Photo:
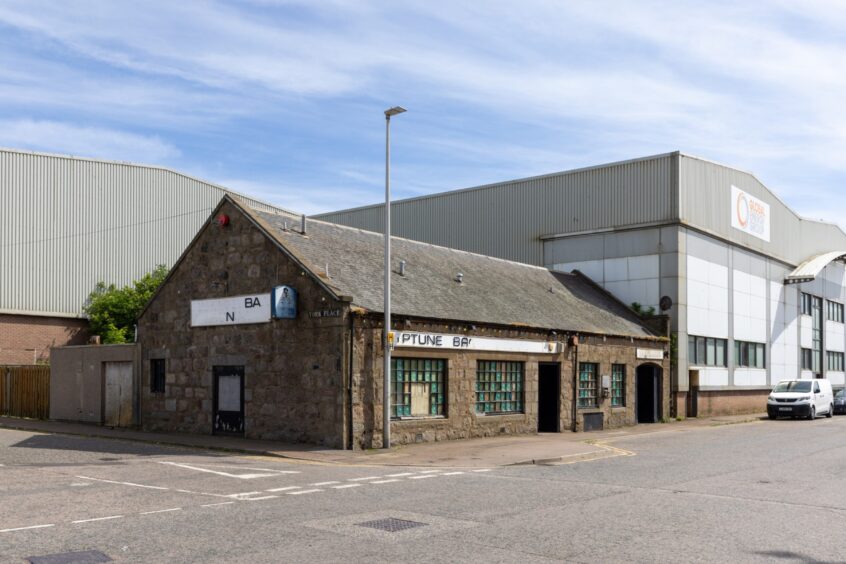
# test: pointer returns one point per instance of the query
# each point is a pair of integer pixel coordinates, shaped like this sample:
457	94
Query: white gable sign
749	214
236	310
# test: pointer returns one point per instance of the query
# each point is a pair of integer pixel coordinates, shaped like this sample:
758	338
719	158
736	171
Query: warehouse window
499	387
157	375
587	384
807	359
750	355
706	351
618	385
835	361
418	387
835	312
807	303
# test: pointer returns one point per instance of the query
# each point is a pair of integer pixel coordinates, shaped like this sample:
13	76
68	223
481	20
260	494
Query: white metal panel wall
67	223
506	220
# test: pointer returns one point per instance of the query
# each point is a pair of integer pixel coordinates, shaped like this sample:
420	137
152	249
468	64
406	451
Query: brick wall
26	339
734	402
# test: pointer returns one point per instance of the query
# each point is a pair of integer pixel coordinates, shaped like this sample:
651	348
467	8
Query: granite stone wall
294	368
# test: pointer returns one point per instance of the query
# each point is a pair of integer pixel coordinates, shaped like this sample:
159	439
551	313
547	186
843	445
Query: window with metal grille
418	387
835	312
706	351
835	361
618	385
750	355
157	375
587	384
499	387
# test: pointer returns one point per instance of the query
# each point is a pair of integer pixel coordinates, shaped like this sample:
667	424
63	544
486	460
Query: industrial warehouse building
269	328
69	223
755	292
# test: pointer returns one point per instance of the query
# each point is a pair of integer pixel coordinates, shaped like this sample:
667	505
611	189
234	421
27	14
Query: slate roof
493	290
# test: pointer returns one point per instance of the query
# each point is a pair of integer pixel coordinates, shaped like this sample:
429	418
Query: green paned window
618	385
418	387
499	387
588	385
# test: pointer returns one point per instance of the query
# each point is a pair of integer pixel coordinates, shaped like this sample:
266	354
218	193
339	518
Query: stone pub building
271	329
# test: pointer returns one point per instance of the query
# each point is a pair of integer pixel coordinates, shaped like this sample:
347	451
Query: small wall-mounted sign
325	313
284	302
650	354
444	341
231	311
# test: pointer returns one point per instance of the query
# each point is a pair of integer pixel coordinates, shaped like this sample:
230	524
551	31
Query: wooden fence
25	391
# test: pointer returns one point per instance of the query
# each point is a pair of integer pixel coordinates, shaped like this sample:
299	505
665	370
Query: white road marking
345	486
122	483
400	475
274	471
98	519
482	470
285	489
324	483
423	477
161	511
27	528
217	504
264	474
384	481
261	498
242	495
429	471
80	484
365	478
303	492
452	473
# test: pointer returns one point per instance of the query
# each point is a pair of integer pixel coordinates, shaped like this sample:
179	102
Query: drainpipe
575	340
349	390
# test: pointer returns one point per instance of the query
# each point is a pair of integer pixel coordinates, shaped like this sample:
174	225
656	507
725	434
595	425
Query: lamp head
394	111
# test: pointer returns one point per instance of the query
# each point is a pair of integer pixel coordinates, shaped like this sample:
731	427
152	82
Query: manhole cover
391	524
85	557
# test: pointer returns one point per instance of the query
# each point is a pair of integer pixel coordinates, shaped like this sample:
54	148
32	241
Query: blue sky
283	100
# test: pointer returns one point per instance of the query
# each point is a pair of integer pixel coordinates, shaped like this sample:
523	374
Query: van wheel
830	410
813	413
771	415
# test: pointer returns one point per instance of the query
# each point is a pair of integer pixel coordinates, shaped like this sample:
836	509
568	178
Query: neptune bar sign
749	214
412	339
237	310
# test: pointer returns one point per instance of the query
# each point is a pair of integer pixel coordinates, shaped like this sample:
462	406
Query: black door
228	400
549	391
648	393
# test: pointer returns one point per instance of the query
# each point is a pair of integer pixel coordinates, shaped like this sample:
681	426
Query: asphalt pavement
758	492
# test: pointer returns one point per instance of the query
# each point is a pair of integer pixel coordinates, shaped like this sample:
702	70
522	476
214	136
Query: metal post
386	345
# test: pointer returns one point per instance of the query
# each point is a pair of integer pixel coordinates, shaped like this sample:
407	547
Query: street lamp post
386	345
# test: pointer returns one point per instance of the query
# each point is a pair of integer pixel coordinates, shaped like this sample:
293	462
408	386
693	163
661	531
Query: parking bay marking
110	517
258	472
27	528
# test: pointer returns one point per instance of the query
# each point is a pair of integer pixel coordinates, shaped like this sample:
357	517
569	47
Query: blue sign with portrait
284	302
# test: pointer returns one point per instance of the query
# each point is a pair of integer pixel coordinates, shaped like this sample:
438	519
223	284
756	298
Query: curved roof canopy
808	270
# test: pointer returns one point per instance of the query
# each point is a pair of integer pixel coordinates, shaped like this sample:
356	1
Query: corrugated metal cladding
705	202
68	223
506	220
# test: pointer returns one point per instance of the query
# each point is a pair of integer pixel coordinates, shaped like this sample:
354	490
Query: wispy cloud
84	141
287	95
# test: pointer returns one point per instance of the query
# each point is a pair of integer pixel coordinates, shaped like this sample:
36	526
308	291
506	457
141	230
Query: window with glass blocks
418	387
499	387
588	385
618	385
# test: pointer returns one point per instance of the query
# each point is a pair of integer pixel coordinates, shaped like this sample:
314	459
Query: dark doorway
549	397
648	393
693	394
228	400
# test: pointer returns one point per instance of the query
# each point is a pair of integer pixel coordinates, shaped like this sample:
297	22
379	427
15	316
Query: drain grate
85	557
392	524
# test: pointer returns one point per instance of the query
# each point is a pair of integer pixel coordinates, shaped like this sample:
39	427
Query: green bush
112	311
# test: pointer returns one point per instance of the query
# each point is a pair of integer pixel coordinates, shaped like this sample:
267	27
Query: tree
112	311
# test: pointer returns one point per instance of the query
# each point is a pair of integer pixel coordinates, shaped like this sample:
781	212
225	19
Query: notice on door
229	393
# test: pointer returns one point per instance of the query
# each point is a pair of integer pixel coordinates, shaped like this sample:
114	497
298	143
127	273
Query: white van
801	398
